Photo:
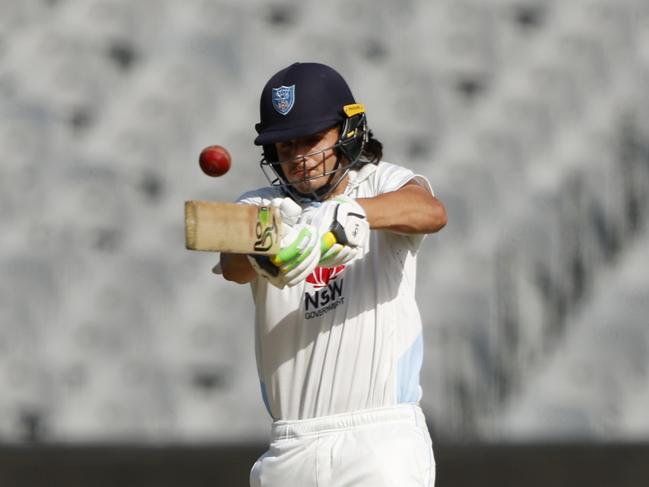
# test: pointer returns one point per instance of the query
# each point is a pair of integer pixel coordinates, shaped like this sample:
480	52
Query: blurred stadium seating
528	116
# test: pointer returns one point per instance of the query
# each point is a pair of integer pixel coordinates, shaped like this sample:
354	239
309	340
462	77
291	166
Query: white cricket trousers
385	447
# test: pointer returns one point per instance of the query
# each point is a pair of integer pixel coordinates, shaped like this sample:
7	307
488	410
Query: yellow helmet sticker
354	109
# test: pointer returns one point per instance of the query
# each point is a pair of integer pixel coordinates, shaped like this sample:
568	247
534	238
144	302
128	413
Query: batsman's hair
372	150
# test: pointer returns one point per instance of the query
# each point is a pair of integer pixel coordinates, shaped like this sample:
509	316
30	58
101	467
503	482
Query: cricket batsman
338	333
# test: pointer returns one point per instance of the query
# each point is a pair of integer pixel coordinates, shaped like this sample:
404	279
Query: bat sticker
265	229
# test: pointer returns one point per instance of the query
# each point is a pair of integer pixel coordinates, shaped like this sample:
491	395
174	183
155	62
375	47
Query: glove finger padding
338	255
300	253
298	257
289	212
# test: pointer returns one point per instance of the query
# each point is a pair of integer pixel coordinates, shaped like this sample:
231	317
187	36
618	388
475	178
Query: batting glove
299	249
289	212
347	222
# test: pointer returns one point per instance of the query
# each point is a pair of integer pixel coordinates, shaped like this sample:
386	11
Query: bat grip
327	241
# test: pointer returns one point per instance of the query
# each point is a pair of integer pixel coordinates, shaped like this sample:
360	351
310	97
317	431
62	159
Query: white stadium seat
529	117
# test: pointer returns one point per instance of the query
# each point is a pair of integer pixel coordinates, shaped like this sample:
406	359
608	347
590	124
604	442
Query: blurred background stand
123	359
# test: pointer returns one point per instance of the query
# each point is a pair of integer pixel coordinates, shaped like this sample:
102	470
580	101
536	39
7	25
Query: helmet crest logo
283	99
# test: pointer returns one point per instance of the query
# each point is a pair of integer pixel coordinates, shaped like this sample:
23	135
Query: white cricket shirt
350	337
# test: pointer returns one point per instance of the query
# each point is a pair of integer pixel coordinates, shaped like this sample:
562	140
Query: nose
301	157
299	150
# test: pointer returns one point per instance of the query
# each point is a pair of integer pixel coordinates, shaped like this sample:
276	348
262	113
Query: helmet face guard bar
350	144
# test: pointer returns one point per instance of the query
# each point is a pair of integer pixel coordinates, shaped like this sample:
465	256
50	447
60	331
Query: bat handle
326	242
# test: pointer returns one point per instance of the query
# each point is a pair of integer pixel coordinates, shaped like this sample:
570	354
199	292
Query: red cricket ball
215	160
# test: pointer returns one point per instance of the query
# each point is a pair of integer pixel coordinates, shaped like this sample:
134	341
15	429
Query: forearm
411	210
236	268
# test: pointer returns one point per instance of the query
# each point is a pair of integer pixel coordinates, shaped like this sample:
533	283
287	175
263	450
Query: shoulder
384	177
387	169
394	177
259	196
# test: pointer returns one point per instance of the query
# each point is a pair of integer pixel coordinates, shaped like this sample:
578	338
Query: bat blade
214	226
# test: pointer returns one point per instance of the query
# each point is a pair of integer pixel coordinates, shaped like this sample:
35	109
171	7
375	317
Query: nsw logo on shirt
327	292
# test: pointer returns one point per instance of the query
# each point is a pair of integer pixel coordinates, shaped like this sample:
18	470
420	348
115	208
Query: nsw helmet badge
283	99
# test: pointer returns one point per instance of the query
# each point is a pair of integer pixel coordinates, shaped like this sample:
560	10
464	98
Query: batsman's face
309	163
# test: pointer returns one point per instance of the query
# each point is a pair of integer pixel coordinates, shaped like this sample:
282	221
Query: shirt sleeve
390	177
261	196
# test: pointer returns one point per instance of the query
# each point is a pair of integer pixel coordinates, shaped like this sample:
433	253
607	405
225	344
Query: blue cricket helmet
302	99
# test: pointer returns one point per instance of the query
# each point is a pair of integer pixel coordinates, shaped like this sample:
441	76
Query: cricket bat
234	228
214	226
